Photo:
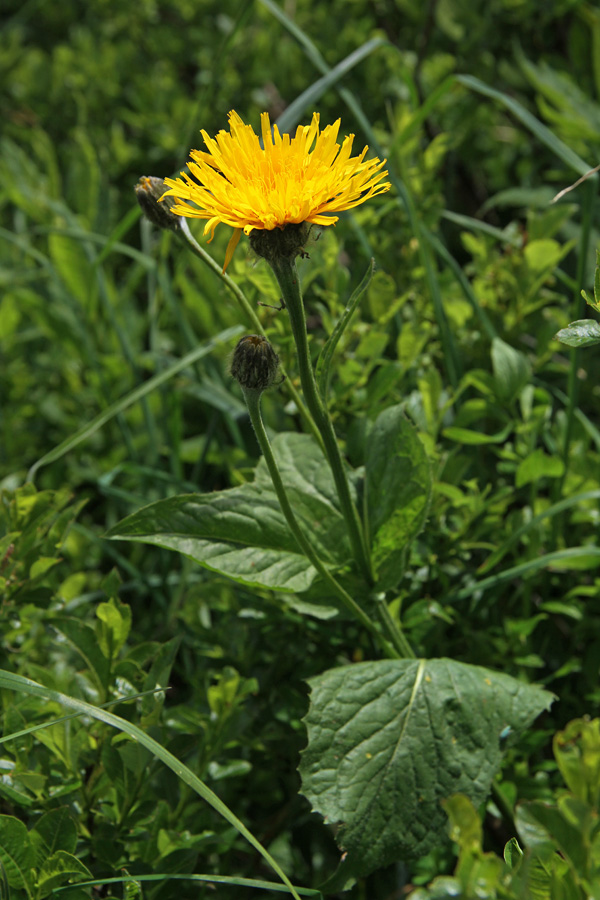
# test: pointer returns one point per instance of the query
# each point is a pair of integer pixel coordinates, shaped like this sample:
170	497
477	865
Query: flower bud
148	191
254	364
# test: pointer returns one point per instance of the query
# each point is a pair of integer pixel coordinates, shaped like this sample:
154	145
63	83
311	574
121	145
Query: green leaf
595	303
559	560
511	370
109	412
537	128
242	532
538	465
577	752
158	677
59	868
398	490
310	97
389	740
513	854
475	438
56	830
234	880
465	824
84	641
582	333
544	830
115	624
42	565
14	682
16	853
72	264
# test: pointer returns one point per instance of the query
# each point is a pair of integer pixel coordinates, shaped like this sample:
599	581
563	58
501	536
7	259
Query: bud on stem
254	364
148	191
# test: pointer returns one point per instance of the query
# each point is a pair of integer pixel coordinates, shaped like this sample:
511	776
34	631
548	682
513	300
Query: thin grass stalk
587	215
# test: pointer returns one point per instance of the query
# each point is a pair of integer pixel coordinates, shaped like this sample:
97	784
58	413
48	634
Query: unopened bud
148	191
254	364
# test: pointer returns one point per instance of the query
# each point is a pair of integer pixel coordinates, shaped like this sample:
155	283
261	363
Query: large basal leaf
242	532
388	740
398	488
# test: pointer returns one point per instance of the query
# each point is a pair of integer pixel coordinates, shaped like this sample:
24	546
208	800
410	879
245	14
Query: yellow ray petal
307	177
233	242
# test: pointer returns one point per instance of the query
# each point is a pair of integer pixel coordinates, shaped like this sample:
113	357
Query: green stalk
587	214
393	629
252	398
287	277
190	242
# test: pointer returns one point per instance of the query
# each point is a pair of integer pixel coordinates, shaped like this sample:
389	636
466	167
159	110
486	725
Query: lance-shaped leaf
388	740
242	532
398	488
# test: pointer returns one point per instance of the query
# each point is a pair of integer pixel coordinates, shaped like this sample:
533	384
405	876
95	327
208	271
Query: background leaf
511	370
16	853
398	489
56	830
582	333
59	868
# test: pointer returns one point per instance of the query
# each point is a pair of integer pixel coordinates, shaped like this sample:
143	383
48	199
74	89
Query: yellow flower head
306	178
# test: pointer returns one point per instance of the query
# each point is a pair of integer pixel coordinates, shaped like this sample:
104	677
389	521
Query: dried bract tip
148	191
254	364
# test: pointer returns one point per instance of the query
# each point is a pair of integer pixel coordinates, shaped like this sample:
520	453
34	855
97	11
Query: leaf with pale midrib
389	740
242	532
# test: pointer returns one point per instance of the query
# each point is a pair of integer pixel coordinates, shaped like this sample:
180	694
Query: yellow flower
306	178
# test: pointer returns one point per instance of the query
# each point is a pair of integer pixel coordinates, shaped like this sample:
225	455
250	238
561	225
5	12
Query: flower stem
252	398
192	244
287	278
393	629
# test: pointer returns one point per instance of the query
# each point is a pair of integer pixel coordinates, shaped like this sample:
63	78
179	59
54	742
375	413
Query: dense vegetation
484	111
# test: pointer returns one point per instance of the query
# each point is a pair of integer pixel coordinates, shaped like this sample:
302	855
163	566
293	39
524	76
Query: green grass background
484	112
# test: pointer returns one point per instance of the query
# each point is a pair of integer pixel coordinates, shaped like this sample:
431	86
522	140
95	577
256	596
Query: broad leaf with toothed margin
388	740
242	532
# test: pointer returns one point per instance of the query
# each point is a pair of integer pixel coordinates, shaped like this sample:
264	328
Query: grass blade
40	725
13	682
451	356
129	399
477	225
553	510
326	355
526	568
445	255
541	132
211	879
293	113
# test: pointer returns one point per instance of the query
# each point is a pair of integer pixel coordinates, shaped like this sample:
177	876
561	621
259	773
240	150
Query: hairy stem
192	244
287	277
